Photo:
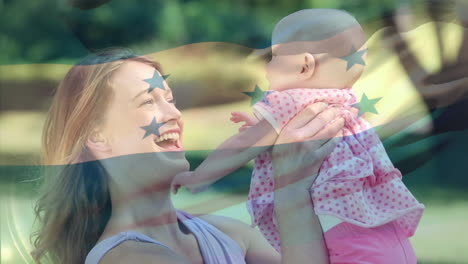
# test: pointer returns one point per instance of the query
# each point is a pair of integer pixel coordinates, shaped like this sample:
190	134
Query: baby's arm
229	156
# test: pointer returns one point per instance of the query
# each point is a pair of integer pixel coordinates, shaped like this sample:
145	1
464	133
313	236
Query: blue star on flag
354	58
367	105
157	81
257	95
153	128
264	98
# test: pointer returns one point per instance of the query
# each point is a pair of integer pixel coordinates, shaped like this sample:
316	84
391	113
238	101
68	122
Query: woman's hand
304	143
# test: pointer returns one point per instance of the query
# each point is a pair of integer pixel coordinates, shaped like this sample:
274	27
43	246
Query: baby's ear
308	66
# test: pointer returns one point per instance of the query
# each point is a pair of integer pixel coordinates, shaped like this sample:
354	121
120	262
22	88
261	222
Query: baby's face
282	70
293	66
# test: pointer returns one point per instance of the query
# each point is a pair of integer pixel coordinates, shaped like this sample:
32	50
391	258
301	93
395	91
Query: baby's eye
172	101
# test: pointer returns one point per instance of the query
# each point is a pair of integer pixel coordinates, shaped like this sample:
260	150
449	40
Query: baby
366	212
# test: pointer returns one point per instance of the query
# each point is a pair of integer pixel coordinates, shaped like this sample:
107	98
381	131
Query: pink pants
348	243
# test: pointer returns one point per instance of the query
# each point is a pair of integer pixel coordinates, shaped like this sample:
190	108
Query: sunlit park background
214	51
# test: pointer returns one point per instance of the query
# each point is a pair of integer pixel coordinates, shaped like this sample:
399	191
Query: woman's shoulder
235	229
256	247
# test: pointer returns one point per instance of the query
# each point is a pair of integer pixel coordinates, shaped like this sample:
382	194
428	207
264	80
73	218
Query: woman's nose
168	111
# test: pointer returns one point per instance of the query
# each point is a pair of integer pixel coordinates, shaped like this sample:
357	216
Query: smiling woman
93	116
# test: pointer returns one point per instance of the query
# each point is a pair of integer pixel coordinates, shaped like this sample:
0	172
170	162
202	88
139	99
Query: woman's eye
149	101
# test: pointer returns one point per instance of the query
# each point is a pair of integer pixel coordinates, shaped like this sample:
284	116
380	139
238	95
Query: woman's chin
176	160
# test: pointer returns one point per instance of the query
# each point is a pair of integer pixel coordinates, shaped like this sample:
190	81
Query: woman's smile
169	140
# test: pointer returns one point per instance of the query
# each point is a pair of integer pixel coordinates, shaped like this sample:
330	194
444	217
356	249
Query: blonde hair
75	206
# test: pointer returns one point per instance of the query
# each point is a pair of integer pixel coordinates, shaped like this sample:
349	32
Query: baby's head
316	48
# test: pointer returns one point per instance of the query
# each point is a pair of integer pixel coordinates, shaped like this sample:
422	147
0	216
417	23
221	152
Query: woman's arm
229	156
297	156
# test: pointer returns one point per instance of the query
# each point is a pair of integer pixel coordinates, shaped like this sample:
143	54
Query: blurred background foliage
66	30
209	48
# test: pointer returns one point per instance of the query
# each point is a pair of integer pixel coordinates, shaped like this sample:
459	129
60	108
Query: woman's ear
308	66
97	142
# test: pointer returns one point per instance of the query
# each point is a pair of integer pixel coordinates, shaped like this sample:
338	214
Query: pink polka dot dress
357	182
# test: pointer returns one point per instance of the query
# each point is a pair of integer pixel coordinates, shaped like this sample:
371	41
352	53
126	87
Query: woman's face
139	120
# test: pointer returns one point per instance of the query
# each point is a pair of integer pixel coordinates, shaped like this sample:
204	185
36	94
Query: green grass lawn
442	234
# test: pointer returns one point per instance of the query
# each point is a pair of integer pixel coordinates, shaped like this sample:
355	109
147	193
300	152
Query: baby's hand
187	179
237	117
249	121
